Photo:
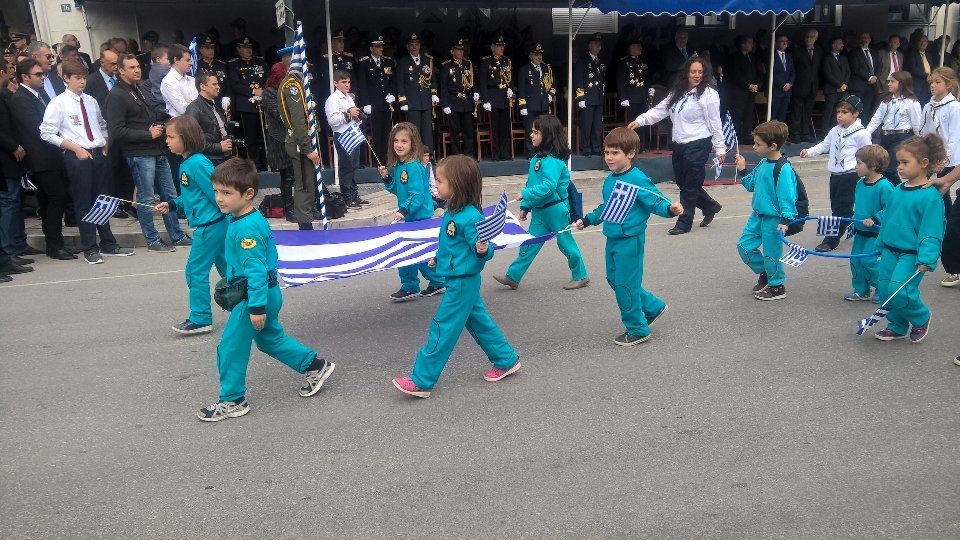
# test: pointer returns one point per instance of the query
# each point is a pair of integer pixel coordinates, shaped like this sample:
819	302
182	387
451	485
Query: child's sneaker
888	335
222	410
771	292
917	333
497	374
854	296
653	319
187	328
956	361
629	340
952	280
761	283
431	291
506	280
315	379
407	386
403	296
574	284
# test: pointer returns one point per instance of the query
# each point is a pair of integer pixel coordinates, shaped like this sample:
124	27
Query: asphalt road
739	418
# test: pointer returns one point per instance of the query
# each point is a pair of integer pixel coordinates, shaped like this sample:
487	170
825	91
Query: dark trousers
348	165
741	109
801	118
890	143
947	203
175	160
424	122
591	130
88	179
688	168
380	125
633	111
829	118
252	137
869	99
781	103
461	124
842	187
950	254
528	127
53	187
120	180
500	133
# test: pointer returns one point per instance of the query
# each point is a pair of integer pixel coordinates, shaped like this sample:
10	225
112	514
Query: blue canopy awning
690	7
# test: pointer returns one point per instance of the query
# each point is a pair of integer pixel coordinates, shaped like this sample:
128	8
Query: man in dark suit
891	61
70	39
674	55
13	238
43	160
834	76
102	80
417	89
864	67
743	83
806	62
784	77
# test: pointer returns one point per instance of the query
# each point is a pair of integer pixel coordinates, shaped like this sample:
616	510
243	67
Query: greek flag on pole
730	140
193	55
102	210
863	324
795	256
828	226
351	138
492	226
622	199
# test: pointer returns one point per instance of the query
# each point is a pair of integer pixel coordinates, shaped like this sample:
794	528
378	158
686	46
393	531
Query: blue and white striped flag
622	199
863	324
492	226
102	210
26	184
828	226
351	138
193	55
730	140
795	256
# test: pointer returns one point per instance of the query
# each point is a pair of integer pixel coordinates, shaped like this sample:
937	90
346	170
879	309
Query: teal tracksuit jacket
410	182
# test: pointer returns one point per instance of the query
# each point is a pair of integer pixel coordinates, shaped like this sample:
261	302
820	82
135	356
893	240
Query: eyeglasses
38	74
51	56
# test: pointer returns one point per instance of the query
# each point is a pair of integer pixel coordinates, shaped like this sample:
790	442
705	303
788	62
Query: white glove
404	107
225	103
446	110
625	103
651	92
487	107
549	98
582	104
368	109
435	99
476	96
509	93
523	112
390	98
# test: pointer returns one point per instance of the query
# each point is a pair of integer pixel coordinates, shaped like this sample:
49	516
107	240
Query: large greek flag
492	226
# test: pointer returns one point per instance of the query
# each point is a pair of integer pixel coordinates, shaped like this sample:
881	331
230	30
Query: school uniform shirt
693	118
178	91
251	253
842	144
547	182
411	184
64	119
635	222
457	251
773	197
197	199
943	118
335	109
895	115
869	200
913	221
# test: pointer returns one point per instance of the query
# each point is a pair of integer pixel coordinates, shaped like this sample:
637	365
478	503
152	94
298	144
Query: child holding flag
629	197
774	206
410	182
460	258
873	191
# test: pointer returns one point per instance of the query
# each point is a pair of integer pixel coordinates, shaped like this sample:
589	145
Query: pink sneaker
497	374
888	335
407	386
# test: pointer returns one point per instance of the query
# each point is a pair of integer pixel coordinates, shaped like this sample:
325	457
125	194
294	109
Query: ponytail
929	146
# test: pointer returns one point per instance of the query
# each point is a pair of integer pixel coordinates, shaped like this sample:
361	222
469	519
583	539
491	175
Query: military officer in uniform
293	111
496	94
417	89
535	91
246	75
208	62
589	80
459	98
632	87
376	94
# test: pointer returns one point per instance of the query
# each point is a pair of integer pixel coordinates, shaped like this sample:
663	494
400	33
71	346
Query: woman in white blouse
897	117
693	106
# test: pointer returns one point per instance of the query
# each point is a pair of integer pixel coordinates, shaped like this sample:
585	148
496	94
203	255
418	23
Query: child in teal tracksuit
198	204
774	207
869	199
625	241
410	182
251	257
460	259
545	195
911	235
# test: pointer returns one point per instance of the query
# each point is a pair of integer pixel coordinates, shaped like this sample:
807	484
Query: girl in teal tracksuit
869	199
460	259
198	204
545	195
410	182
911	235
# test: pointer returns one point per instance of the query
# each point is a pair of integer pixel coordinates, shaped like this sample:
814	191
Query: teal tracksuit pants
461	307
761	232
624	257
206	251
545	221
410	277
863	270
906	308
233	352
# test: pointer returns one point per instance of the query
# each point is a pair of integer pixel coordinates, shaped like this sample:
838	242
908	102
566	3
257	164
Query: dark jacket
783	74
27	111
672	60
58	85
97	88
203	110
589	80
533	89
129	119
834	73
416	84
9	141
860	71
151	90
808	71
742	73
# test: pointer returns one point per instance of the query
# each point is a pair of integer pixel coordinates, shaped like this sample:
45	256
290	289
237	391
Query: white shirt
693	118
63	119
32	91
896	114
178	91
842	144
335	109
943	118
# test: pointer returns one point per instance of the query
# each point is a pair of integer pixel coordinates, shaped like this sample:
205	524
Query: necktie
869	56
783	60
894	62
684	53
926	63
43	98
810	53
86	120
112	81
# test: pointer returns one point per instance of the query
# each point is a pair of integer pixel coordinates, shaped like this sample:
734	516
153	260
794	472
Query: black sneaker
92	256
117	252
184	241
403	296
629	340
161	247
431	290
653	319
771	292
22	261
761	283
222	410
5	278
826	246
187	328
364	202
316	378
677	230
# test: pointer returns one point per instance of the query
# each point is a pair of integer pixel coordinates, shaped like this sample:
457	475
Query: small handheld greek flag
795	257
492	226
828	226
621	200
730	134
102	210
26	184
863	324
193	56
351	138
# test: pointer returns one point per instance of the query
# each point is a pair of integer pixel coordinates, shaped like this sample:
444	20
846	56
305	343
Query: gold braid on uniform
290	82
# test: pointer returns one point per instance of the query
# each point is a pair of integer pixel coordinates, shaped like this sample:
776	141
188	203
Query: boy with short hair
774	207
251	257
341	110
625	240
870	197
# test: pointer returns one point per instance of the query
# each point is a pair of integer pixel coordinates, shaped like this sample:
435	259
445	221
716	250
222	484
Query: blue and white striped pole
299	62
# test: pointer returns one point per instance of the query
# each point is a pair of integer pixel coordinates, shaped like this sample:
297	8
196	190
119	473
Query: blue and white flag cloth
622	199
492	226
828	226
730	140
863	324
193	56
795	256
102	210
351	138
26	184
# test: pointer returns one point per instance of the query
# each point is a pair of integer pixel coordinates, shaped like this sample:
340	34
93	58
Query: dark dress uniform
217	67
632	87
417	91
496	77
589	80
457	94
342	61
376	81
245	76
535	91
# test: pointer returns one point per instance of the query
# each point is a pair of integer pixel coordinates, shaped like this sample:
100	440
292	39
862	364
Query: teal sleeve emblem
451	229
184	180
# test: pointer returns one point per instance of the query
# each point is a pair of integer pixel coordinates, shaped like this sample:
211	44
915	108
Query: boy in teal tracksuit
774	207
625	241
410	182
869	199
251	255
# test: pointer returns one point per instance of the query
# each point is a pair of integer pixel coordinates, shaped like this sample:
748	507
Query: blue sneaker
854	296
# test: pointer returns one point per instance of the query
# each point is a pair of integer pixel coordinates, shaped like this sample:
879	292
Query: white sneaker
222	410
952	280
316	378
